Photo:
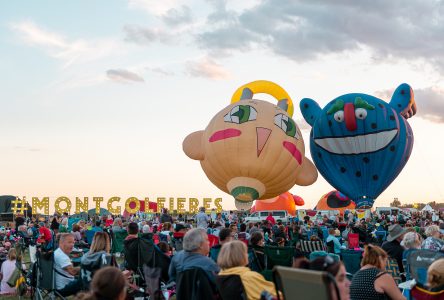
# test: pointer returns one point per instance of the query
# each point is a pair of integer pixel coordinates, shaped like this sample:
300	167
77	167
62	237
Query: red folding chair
353	240
214	240
156	239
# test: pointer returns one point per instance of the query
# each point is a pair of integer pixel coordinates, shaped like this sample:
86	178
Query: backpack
88	268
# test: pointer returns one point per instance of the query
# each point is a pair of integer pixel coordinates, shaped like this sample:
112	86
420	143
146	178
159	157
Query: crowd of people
220	245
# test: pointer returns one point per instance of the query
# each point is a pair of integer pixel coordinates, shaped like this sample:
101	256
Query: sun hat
395	231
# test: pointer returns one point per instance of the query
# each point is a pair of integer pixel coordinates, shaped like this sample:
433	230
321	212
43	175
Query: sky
97	96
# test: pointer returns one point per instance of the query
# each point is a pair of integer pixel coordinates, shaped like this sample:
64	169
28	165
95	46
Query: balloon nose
349	116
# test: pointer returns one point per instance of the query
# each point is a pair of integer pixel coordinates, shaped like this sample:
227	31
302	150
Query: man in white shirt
65	281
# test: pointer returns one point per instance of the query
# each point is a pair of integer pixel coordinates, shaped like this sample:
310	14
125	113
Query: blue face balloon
360	143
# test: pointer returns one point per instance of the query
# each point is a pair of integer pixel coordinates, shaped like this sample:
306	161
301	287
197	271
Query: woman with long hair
97	257
371	281
6	271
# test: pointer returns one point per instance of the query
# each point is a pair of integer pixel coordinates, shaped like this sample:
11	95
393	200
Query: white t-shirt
61	260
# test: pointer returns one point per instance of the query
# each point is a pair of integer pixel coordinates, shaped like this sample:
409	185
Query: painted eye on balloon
361	113
339	116
241	114
287	125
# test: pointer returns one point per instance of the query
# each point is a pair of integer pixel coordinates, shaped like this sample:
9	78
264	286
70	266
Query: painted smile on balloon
366	143
293	150
224	134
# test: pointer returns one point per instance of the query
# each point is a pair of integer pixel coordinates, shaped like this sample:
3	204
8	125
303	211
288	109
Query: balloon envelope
360	143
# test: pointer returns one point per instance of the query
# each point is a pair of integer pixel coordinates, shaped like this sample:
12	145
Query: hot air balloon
253	149
285	201
360	143
335	200
240	205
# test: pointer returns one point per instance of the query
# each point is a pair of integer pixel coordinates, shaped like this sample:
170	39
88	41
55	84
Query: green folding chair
292	283
117	242
278	256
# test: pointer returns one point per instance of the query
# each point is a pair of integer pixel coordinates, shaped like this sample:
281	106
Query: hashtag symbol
15	206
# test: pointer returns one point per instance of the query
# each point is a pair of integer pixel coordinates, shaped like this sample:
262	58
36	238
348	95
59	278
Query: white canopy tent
427	208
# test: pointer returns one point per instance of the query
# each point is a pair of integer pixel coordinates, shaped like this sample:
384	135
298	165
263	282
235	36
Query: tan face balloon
252	149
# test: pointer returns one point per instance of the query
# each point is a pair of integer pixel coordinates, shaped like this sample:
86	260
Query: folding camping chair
351	260
45	287
306	284
419	261
139	252
353	240
276	256
117	241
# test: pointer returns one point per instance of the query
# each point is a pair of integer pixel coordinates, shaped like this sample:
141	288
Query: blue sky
97	96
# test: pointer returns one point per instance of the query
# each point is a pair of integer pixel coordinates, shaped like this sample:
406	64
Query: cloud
123	76
153	7
62	48
206	68
304	30
146	36
174	17
429	101
161	71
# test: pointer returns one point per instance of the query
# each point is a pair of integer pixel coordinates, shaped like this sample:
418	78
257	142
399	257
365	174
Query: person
194	255
256	255
332	238
233	258
6	271
55	224
435	283
117	225
109	283
45	236
299	259
433	241
133	231
371	281
202	219
76	232
109	221
411	240
225	236
270	219
392	246
336	269
179	232
165	217
63	225
97	256
64	270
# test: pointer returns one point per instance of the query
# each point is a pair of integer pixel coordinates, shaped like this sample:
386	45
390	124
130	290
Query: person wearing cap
202	219
393	244
179	233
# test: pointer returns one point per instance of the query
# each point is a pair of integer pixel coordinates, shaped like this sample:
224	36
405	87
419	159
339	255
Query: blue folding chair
419	261
351	260
89	235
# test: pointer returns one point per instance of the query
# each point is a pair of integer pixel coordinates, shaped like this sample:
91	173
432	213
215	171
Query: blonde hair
100	242
12	254
371	256
435	273
431	230
233	254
